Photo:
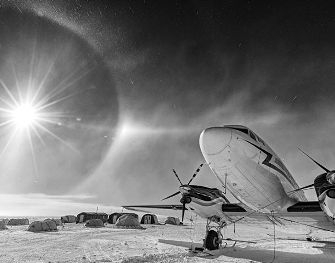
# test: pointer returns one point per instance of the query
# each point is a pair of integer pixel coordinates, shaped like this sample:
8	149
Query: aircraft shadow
326	252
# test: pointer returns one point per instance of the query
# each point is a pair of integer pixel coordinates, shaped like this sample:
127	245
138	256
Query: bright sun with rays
27	112
24	115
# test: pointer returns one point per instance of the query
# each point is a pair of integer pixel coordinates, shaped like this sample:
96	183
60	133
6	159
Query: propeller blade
302	188
195	174
177	176
171	195
183	212
320	165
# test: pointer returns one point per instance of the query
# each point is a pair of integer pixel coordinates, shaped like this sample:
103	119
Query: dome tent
115	216
18	222
4	220
68	219
128	221
3	225
42	226
56	220
172	221
94	223
84	216
149	219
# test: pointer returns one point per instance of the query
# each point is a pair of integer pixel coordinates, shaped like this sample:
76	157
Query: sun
24	115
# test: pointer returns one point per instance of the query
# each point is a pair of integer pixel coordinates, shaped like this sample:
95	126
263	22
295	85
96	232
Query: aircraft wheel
212	240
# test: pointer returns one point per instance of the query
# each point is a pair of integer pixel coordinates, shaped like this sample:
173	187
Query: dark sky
165	70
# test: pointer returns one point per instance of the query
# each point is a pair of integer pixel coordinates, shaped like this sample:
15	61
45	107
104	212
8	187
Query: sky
126	87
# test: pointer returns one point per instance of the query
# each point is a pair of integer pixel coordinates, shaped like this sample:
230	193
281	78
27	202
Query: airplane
253	173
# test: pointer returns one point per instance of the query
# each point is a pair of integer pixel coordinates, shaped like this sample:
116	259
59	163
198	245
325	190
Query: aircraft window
241	130
261	141
252	135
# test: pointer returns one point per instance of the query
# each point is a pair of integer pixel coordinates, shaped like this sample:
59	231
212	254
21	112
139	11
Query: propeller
195	173
320	165
330	174
184	200
302	188
177	176
171	195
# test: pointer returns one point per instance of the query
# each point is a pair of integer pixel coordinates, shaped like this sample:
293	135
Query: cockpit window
241	130
252	135
260	140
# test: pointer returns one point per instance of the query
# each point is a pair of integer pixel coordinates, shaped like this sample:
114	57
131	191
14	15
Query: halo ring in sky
58	105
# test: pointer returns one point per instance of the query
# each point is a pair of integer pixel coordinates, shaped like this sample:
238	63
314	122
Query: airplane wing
307	213
147	208
225	207
159	210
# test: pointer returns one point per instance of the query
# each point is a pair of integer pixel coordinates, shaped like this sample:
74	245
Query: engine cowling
325	191
327	203
185	198
331	177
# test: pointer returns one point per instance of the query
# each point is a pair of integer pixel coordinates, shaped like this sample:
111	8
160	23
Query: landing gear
214	236
212	240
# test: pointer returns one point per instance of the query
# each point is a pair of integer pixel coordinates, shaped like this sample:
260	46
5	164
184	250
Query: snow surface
75	243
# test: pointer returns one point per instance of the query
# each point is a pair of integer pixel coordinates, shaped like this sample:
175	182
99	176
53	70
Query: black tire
212	240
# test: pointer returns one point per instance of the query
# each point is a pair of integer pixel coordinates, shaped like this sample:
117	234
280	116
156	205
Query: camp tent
84	216
115	216
69	219
42	226
56	220
172	221
18	222
128	221
3	225
94	223
5	220
149	219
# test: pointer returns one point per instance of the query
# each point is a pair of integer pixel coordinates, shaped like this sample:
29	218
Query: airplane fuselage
249	168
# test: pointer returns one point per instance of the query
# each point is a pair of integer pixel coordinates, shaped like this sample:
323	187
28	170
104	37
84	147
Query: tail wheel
212	240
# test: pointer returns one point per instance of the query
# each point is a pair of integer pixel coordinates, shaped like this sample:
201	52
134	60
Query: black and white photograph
167	131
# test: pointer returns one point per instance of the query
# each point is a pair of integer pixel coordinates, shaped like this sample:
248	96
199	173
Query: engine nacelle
187	199
325	191
331	177
327	202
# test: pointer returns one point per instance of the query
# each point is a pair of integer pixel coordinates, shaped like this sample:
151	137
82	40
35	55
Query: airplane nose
214	140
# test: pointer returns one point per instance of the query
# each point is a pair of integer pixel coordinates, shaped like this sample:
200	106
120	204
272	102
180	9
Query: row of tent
130	220
112	218
15	221
86	216
25	221
36	226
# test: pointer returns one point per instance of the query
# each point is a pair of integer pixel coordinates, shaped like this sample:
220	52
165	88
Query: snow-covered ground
75	243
